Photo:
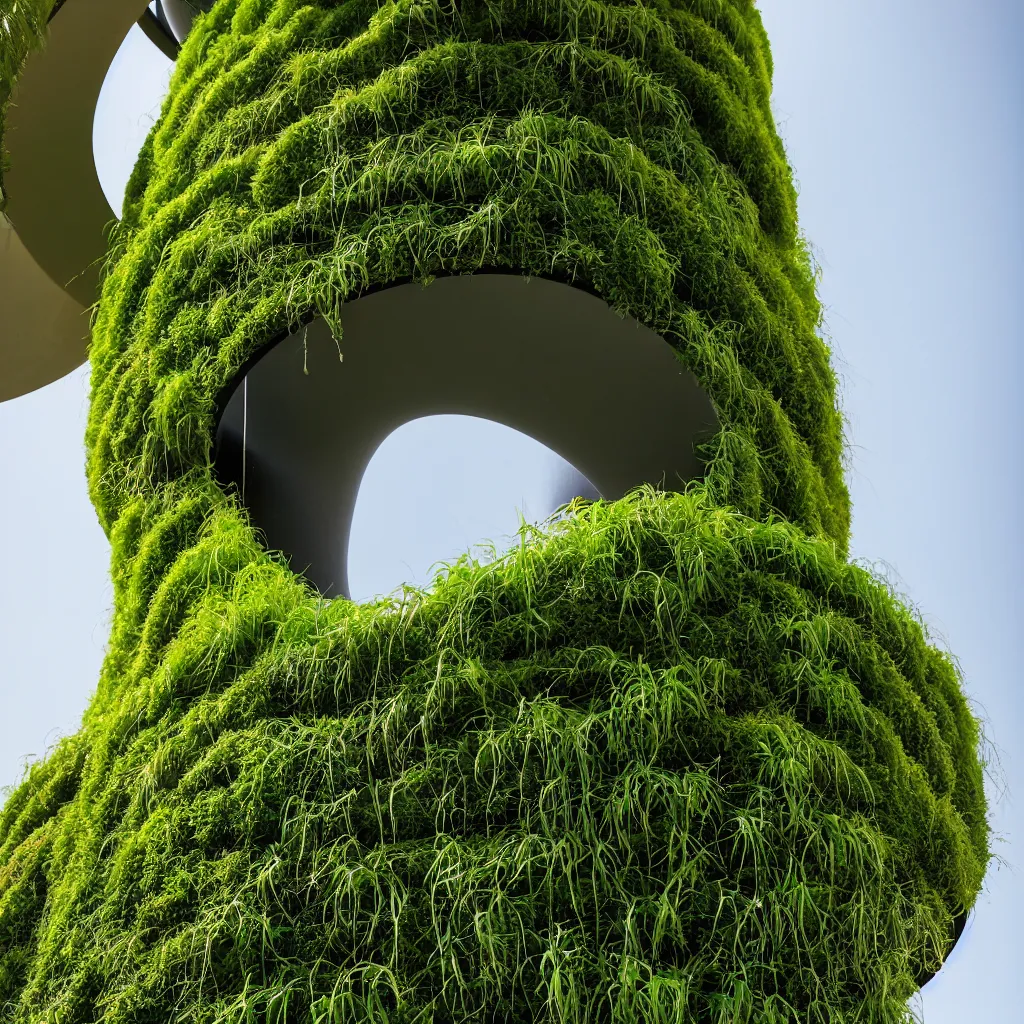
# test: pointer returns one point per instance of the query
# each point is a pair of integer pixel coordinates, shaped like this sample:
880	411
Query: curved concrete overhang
52	240
179	15
551	360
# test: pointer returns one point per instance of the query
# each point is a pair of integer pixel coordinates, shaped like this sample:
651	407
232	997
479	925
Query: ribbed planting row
670	761
660	764
312	151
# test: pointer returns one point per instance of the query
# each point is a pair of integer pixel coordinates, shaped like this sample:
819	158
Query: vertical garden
671	759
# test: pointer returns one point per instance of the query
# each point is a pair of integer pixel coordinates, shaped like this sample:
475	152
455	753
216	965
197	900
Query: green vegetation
670	760
659	763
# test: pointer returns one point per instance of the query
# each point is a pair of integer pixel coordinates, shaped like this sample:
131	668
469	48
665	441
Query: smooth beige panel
43	331
50	273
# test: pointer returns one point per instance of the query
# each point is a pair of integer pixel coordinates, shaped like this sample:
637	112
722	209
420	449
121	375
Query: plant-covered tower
672	759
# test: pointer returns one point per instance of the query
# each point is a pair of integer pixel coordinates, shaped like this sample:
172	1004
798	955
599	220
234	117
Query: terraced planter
672	758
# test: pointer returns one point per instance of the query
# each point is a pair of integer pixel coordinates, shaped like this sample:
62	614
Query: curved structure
178	15
56	213
672	759
559	366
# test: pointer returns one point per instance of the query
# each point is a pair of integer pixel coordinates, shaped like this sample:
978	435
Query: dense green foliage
663	763
310	151
671	759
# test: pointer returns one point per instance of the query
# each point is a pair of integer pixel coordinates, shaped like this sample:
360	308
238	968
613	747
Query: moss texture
673	759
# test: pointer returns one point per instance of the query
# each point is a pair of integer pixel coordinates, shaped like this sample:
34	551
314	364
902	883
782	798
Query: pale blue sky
902	121
129	105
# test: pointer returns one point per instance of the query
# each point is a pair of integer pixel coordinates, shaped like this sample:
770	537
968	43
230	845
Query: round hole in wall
550	360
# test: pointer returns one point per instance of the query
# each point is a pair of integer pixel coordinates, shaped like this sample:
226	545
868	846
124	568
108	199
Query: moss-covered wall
672	760
318	150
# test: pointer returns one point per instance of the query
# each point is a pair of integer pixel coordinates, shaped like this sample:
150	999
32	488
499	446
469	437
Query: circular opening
480	369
